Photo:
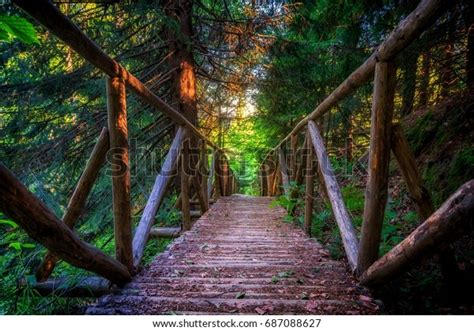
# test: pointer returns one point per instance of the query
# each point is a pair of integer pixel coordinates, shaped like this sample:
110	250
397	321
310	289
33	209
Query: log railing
363	255
57	236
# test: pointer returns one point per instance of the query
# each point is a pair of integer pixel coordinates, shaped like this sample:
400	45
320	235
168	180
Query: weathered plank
251	262
78	199
168	232
449	222
348	235
63	287
379	157
156	197
43	226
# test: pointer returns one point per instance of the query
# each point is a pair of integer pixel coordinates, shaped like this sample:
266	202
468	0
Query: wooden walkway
240	257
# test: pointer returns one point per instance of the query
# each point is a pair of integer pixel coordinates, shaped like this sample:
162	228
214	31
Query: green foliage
12	27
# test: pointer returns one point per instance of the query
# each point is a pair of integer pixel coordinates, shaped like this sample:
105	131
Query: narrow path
240	257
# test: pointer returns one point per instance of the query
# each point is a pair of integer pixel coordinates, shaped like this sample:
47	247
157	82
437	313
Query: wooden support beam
379	157
168	232
453	219
199	193
411	175
93	287
420	195
348	235
43	226
309	188
301	165
78	199
284	171
212	174
293	148
204	167
184	175
119	161
156	197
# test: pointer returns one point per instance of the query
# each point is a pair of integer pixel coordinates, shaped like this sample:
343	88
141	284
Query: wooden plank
293	148
184	176
78	199
348	235
284	171
309	188
156	197
63	287
379	158
47	14
19	204
119	161
407	30
164	232
449	222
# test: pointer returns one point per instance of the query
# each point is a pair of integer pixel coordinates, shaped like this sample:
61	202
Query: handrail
128	253
362	256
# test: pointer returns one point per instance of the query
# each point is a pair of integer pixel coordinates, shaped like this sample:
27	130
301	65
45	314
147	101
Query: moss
461	168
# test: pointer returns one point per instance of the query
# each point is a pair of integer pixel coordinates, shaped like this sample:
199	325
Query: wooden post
42	225
204	167
410	173
212	174
184	172
119	160
308	172
284	170
302	164
379	158
156	197
451	220
348	235
78	199
293	147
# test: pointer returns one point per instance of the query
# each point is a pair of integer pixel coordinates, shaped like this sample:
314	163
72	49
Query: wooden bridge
239	257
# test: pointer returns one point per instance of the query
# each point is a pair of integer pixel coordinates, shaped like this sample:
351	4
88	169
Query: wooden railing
18	203
384	136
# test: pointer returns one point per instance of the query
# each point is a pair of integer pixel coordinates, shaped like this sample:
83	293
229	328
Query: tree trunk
181	45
